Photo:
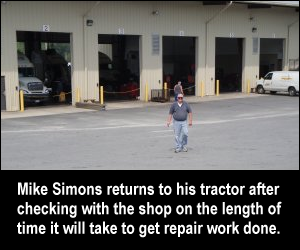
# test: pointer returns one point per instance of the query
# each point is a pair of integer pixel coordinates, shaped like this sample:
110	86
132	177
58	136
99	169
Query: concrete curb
43	111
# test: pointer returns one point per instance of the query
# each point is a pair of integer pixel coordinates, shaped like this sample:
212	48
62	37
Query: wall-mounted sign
181	33
231	34
155	44
46	28
121	31
255	44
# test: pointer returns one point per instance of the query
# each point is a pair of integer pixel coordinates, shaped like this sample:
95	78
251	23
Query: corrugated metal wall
136	18
31	16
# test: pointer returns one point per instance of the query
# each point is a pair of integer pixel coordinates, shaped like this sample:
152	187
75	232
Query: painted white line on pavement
145	125
249	118
78	129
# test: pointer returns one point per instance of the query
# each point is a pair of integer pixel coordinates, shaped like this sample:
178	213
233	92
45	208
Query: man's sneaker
177	150
184	149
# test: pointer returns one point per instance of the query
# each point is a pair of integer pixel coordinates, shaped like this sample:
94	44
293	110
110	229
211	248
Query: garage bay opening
44	67
179	63
229	64
271	55
119	66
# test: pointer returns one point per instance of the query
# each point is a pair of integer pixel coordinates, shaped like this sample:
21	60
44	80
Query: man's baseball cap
180	95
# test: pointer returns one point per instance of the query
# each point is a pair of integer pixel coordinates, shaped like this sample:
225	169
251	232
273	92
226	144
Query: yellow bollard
62	97
165	88
202	88
146	94
218	88
248	87
101	95
21	100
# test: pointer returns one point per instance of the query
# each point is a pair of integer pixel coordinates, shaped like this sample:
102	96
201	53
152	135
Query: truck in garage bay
33	88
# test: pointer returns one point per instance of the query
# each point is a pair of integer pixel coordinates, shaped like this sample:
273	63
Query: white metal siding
136	18
293	52
30	16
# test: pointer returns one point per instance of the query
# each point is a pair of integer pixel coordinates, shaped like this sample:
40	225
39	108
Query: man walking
180	111
177	90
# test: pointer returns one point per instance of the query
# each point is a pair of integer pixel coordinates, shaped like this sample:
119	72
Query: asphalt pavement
252	132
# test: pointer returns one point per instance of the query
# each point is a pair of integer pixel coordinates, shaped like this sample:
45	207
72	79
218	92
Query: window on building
61	48
21	47
294	64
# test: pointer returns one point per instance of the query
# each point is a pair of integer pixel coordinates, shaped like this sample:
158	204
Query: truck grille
35	86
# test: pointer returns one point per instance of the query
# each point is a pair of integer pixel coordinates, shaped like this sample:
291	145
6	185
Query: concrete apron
50	110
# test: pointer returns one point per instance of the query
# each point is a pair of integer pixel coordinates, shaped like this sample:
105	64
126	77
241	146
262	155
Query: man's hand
169	120
190	119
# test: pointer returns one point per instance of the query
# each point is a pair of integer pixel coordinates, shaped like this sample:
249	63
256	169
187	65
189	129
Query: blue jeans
181	133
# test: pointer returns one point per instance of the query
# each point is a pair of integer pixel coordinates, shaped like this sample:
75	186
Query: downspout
206	33
85	49
288	44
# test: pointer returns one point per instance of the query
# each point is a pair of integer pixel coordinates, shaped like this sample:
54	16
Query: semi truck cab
34	89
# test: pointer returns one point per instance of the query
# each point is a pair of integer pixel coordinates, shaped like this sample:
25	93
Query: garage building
235	42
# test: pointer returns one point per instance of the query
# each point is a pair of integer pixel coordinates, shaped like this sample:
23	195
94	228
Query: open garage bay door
179	63
44	67
119	66
271	55
229	64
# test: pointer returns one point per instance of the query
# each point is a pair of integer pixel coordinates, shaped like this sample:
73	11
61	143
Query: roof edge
275	3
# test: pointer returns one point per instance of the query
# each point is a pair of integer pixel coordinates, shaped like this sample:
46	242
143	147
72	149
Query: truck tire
260	89
292	91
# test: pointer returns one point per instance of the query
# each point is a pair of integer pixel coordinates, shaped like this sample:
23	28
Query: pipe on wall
206	33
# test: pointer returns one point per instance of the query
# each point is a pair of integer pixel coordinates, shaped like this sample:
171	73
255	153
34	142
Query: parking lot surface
244	133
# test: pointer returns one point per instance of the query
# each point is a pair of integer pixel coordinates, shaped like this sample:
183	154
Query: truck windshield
26	72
